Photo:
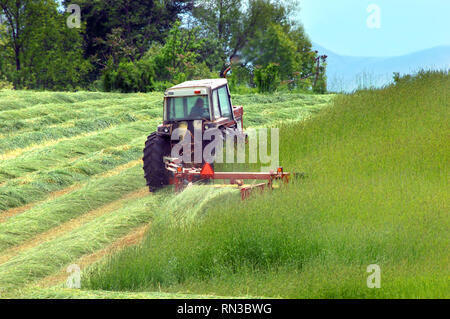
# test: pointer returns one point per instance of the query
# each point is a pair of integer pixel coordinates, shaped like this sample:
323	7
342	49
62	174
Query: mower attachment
182	176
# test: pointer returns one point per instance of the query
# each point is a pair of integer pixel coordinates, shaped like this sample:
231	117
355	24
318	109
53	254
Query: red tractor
198	106
193	106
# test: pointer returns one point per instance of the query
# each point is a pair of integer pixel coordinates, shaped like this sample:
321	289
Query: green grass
67	293
375	192
51	256
47	215
36	186
24	99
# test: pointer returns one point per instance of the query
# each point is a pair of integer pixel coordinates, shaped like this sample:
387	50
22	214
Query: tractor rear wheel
156	174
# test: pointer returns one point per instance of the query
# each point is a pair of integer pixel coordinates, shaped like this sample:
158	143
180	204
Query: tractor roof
208	83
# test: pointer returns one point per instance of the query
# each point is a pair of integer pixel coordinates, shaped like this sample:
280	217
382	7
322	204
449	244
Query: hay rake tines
182	176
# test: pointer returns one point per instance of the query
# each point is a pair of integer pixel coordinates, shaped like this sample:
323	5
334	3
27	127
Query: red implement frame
182	175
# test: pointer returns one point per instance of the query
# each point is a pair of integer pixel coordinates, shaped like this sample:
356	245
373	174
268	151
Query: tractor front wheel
156	174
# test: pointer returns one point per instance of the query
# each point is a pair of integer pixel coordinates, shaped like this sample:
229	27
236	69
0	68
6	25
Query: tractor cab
205	102
189	108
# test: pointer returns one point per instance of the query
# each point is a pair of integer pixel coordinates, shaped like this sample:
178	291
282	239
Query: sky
396	27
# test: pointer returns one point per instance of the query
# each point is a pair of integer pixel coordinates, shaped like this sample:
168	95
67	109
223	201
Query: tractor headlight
166	130
206	127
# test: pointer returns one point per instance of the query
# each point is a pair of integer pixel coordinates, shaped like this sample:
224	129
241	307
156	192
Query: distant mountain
347	73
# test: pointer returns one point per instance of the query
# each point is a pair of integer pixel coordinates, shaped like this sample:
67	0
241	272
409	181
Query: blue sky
405	25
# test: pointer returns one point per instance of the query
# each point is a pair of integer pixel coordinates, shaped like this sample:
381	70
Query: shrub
161	86
130	77
5	84
267	79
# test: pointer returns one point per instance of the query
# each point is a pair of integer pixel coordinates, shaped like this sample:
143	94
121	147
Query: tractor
195	107
192	105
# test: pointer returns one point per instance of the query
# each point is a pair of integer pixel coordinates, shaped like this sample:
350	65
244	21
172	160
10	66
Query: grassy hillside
375	192
71	180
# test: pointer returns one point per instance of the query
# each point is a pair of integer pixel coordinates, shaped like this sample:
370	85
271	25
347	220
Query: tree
179	58
267	78
5	67
176	61
15	13
46	54
137	23
274	46
234	23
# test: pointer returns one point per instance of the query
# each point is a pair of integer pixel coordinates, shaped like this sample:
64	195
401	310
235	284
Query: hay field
71	180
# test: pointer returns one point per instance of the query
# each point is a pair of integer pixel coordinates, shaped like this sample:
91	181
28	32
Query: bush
161	86
130	77
5	84
321	86
267	79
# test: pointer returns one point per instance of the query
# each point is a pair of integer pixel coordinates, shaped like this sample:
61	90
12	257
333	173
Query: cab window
224	101
187	108
215	98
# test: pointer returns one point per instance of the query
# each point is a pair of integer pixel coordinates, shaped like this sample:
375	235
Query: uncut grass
375	192
51	256
42	217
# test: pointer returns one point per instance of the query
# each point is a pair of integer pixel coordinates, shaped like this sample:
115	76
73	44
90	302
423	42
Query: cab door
225	103
224	109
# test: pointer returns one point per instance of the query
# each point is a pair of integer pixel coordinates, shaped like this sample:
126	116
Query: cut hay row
5	215
70	225
60	151
46	197
49	257
67	115
40	111
278	97
14	146
271	110
47	215
134	237
187	208
67	293
38	118
280	113
19	100
38	185
51	134
275	115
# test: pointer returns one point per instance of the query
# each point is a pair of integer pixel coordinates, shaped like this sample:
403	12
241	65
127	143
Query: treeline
141	45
